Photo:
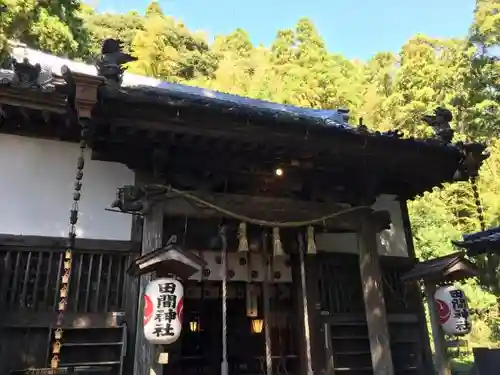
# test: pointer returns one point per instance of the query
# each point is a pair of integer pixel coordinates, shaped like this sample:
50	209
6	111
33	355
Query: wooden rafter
33	99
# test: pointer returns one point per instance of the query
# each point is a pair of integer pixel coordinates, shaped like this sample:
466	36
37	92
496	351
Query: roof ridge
333	117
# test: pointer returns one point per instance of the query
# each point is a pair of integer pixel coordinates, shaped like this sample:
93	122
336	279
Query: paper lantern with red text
453	311
163	309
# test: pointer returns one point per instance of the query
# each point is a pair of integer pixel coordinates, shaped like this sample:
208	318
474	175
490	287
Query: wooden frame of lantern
434	272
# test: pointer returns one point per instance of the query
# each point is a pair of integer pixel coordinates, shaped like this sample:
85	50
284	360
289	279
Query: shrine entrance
199	351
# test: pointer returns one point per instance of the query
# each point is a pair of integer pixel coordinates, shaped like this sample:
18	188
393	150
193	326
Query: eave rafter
53	102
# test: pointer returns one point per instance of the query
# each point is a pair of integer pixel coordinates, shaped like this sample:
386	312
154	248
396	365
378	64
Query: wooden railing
30	279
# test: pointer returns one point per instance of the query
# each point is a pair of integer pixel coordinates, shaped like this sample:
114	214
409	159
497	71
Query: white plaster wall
36	187
392	242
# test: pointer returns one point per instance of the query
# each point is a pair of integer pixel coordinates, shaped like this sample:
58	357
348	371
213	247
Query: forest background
390	90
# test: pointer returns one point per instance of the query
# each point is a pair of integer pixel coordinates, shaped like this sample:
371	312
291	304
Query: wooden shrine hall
313	210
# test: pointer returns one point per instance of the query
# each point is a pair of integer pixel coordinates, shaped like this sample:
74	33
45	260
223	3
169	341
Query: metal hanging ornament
68	256
477	201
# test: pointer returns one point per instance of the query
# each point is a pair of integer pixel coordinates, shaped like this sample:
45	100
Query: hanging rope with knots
265	223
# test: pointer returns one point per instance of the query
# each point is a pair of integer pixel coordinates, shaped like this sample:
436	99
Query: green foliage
54	26
391	90
167	49
123	27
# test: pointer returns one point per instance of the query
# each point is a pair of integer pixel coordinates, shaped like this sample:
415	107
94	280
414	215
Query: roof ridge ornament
440	123
111	64
17	70
474	154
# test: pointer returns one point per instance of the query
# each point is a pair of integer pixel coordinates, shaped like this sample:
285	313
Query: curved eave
479	243
299	131
303	122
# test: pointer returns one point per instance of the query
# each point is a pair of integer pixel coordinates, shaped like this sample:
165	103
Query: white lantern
453	312
163	309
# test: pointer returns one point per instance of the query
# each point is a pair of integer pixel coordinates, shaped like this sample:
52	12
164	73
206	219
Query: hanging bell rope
224	364
311	243
277	246
242	236
266	295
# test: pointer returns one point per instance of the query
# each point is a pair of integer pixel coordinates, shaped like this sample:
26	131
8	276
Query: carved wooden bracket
85	89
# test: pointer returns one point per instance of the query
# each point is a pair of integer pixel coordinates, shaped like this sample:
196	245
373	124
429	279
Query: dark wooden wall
200	352
337	306
30	275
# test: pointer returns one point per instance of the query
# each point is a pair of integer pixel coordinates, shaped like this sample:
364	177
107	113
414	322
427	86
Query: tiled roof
478	243
152	88
450	267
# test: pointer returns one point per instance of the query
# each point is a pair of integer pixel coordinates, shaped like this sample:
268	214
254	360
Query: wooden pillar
132	298
428	366
145	356
376	316
441	360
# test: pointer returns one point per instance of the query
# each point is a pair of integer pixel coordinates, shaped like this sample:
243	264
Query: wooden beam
189	119
272	209
132	298
376	315
20	242
33	99
319	350
428	365
250	174
40	319
348	318
152	238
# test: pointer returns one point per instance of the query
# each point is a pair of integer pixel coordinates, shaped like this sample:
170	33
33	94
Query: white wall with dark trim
391	242
36	188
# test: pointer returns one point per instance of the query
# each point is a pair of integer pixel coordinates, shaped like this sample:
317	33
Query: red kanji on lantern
148	309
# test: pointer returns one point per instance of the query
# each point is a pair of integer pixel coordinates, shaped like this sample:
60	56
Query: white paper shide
451	303
163	309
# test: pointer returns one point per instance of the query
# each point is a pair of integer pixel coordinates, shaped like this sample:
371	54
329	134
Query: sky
355	28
